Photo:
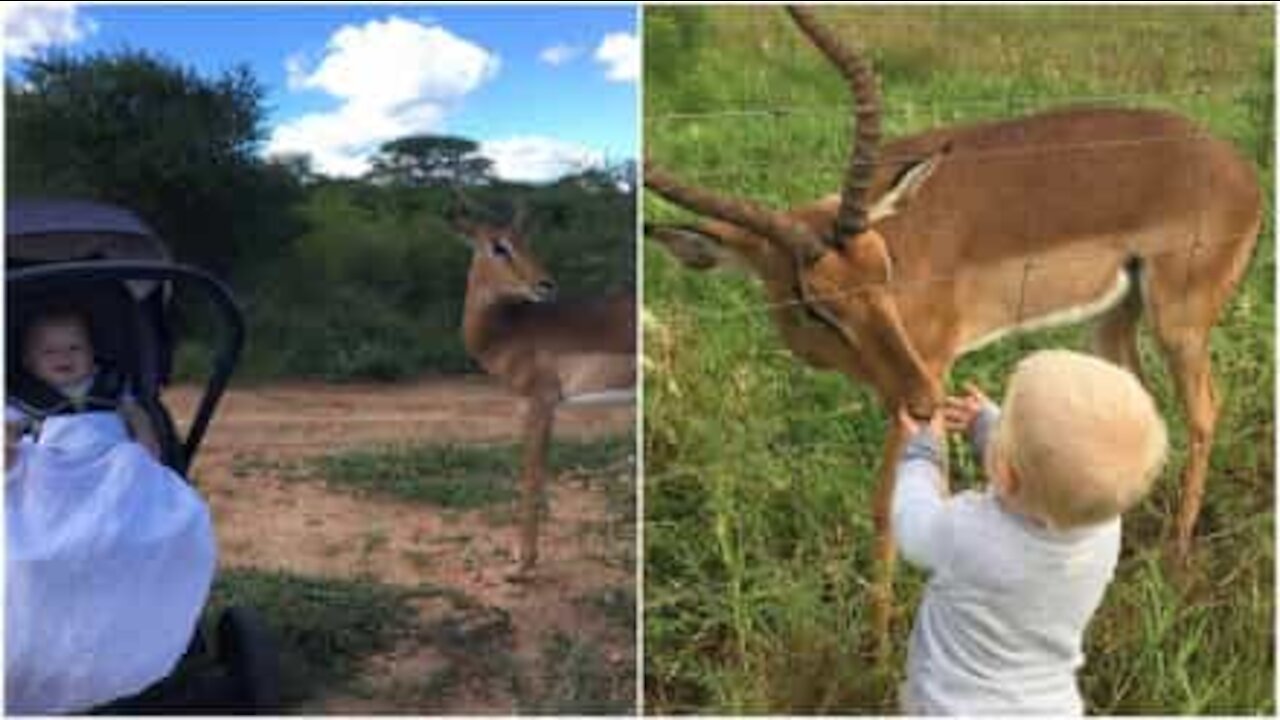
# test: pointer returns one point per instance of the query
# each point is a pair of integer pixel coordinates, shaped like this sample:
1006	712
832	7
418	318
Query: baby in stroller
58	352
109	553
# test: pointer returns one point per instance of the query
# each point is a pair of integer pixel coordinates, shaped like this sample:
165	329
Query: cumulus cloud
533	158
295	69
392	78
30	27
620	54
559	54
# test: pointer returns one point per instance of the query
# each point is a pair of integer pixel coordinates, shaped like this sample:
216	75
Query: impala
940	242
547	350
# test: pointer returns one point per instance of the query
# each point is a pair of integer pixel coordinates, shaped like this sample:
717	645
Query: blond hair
1082	436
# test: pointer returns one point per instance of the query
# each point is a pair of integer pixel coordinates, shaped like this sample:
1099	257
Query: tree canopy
430	160
136	129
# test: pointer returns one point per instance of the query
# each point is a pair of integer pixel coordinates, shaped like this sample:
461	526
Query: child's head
1079	442
57	348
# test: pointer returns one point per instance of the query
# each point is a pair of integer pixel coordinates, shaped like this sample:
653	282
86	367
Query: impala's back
1056	217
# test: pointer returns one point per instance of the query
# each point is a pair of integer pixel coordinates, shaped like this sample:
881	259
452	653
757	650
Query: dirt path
268	522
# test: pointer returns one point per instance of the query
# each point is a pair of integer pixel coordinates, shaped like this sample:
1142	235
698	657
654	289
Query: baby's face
60	353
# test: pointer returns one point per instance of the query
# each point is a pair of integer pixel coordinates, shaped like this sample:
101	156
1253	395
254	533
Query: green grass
457	476
759	471
324	627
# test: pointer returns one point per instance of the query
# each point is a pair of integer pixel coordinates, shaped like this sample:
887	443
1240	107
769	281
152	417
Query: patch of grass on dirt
579	679
458	476
323	627
617	604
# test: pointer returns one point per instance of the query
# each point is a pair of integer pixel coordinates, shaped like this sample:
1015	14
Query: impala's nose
545	290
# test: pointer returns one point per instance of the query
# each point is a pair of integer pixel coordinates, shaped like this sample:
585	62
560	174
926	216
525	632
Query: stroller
107	260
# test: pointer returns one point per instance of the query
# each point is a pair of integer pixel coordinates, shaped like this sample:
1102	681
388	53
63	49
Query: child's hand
960	411
910	425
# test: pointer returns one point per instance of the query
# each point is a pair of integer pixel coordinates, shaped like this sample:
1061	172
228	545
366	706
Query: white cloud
620	54
398	61
533	158
295	69
559	54
393	78
30	27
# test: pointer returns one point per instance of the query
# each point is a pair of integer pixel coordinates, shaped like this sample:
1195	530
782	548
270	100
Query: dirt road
268	522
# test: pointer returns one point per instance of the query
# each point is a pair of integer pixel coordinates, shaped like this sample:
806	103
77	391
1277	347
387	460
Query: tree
134	129
430	160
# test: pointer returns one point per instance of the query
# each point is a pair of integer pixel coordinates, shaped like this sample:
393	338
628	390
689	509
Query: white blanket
108	560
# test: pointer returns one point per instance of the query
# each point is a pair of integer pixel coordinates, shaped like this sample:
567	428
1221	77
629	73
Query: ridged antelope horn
463	206
520	216
856	69
778	228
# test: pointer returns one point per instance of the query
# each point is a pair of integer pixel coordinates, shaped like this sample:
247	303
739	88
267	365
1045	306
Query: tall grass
759	471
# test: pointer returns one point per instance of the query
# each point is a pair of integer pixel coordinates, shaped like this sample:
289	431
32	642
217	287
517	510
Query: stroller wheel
248	653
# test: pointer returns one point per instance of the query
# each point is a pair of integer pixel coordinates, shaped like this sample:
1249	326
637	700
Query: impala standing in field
550	351
961	235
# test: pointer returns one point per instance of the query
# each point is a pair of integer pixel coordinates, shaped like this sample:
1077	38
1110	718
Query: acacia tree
430	161
135	129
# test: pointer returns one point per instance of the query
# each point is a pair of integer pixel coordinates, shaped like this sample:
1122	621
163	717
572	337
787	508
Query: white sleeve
918	502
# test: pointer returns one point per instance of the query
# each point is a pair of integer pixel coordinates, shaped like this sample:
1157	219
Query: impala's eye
500	249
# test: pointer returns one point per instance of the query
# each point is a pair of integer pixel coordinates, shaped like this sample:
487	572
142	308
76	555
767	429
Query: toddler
1018	569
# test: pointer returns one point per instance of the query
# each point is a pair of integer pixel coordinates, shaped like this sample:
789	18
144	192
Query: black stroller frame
248	677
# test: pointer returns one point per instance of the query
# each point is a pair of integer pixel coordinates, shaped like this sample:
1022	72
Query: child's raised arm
919	491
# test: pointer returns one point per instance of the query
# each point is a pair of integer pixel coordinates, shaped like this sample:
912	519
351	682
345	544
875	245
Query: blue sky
545	89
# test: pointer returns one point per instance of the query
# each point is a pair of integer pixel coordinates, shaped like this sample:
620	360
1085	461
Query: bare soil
268	522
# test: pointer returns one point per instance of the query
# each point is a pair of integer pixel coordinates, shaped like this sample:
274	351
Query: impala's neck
480	315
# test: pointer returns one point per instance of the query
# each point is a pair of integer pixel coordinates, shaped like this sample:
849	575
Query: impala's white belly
597	378
606	397
1071	315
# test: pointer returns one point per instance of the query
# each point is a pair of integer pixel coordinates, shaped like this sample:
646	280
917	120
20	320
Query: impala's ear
905	186
692	245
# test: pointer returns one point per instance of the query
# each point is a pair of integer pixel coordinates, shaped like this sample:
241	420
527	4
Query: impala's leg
1190	366
1116	335
539	419
885	550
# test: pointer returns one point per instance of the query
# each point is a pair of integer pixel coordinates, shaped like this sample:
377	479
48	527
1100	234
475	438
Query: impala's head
833	257
503	266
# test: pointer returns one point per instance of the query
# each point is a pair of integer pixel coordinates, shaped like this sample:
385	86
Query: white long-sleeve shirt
1001	626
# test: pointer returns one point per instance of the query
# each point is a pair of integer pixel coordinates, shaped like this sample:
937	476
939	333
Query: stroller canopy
41	231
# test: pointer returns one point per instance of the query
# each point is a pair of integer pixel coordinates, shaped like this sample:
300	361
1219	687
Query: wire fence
938	106
1022	267
1019	273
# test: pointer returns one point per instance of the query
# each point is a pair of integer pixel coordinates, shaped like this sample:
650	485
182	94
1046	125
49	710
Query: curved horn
462	205
520	215
780	229
856	69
